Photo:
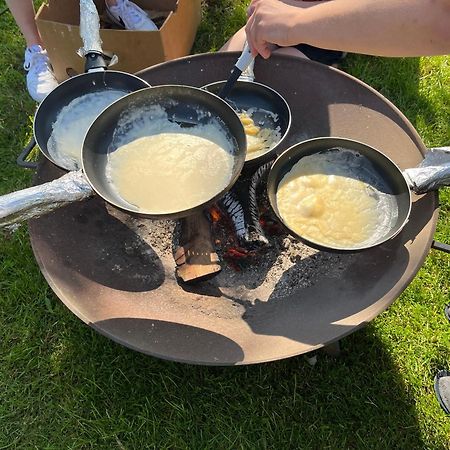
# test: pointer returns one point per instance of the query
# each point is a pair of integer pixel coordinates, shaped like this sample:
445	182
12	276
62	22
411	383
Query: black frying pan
184	105
73	88
380	169
246	95
96	79
187	106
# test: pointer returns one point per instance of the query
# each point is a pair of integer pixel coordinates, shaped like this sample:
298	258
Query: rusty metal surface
111	271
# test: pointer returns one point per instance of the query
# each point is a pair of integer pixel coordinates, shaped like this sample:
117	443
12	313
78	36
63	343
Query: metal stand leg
333	349
311	358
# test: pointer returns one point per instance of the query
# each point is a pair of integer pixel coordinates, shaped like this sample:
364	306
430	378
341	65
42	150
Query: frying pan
272	111
378	169
96	79
182	104
71	89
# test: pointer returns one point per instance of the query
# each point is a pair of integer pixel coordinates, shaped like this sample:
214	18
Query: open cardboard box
58	23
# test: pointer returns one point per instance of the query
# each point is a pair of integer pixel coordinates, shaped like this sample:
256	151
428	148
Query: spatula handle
245	59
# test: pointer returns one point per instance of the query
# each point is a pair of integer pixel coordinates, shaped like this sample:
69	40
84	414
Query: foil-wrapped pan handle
432	173
248	74
89	28
37	201
249	61
245	60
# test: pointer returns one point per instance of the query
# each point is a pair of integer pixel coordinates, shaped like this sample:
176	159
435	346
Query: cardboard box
58	23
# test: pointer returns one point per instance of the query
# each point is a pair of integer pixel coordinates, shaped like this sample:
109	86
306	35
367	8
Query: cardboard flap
183	24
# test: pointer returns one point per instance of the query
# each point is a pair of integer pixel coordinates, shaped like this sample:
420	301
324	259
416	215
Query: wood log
196	257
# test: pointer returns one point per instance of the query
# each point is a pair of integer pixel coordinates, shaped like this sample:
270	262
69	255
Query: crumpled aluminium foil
89	27
432	173
248	74
39	200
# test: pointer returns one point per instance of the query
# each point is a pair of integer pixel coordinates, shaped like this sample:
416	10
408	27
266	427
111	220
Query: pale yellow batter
259	140
72	123
169	172
329	209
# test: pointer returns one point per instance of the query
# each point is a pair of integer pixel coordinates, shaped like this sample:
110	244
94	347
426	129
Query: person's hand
269	22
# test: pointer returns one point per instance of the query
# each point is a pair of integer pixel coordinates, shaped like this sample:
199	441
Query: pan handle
37	201
248	72
95	62
441	246
432	173
22	158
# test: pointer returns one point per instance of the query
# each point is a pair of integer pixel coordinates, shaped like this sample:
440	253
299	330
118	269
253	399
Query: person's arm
374	27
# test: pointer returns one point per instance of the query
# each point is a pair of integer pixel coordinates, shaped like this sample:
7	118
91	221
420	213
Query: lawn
63	386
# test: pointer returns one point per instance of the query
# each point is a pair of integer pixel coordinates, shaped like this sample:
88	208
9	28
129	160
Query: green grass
63	386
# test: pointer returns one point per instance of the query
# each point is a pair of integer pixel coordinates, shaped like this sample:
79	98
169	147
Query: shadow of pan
182	342
94	241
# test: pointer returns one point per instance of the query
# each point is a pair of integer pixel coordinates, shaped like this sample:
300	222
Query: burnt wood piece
196	257
242	207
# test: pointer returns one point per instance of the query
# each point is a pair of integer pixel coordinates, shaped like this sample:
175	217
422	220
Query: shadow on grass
108	393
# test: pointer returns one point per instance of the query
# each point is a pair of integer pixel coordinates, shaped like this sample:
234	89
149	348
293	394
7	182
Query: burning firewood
195	256
241	205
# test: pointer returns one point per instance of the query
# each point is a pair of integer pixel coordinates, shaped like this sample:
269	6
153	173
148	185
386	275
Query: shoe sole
442	403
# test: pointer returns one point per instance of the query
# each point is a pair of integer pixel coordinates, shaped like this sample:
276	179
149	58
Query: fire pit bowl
116	272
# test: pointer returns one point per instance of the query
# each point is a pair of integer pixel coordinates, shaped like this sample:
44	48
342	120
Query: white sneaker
128	15
40	78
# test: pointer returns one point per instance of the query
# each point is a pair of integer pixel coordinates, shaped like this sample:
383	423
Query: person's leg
23	13
235	43
291	51
40	77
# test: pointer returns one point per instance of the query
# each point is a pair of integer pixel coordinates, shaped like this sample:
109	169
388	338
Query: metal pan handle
22	158
95	62
37	201
441	246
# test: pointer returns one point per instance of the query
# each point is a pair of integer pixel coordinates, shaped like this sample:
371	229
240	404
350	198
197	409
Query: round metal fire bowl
106	266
